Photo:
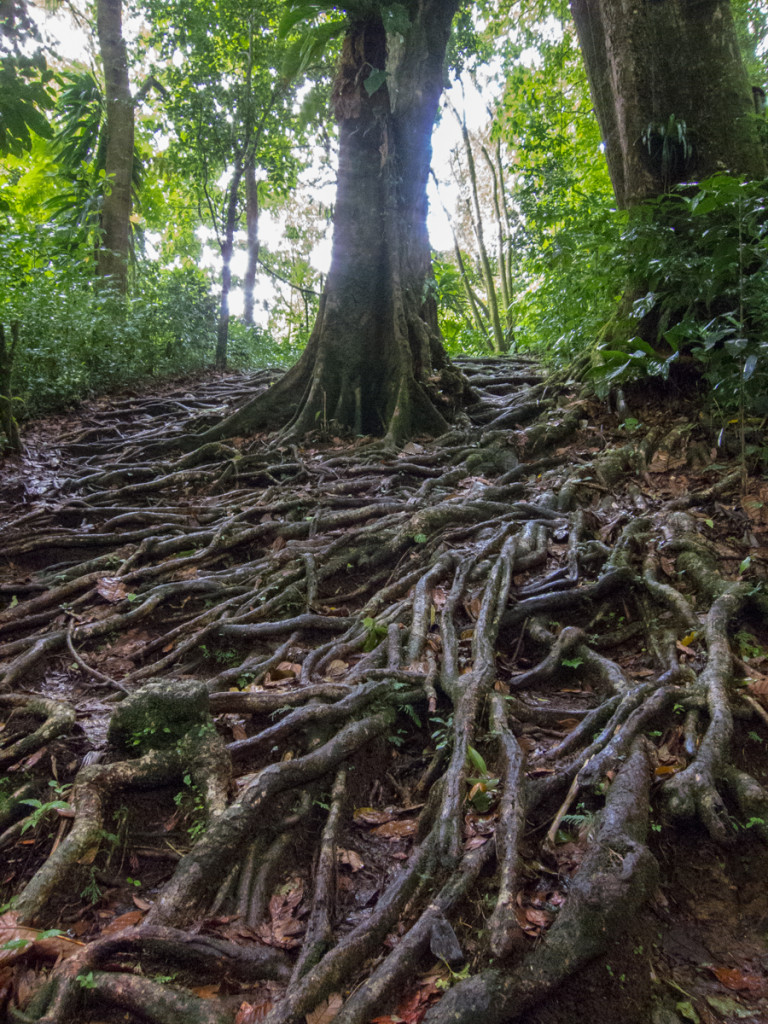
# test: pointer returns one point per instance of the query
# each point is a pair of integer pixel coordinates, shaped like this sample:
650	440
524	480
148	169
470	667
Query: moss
158	715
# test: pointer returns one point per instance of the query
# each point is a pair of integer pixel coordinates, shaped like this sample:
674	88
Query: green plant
376	633
40	811
443	733
86	980
483	786
92	890
571	662
699	253
191	800
454	977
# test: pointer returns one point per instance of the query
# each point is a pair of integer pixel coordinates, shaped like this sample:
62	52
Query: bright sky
72	42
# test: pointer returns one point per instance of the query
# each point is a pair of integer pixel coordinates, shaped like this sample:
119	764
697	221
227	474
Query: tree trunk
375	362
116	212
227	248
252	242
670	92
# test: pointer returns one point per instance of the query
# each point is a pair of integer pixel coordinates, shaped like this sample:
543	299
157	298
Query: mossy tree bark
670	91
375	362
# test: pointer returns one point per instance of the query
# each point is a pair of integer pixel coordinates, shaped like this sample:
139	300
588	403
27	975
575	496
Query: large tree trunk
670	92
115	245
374	362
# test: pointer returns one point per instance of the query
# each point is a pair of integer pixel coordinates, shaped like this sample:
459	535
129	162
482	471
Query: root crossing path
328	731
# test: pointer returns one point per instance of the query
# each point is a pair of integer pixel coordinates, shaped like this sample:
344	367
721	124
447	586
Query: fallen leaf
248	1012
667	769
728	1007
142	904
758	683
325	1011
738	981
206	991
238	732
285	670
668	566
127	920
351	859
278	543
372	816
112	589
396	829
475	841
284	925
21	939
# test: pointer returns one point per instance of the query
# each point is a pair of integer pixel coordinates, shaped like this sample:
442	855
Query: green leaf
685	1009
374	81
477	761
420	538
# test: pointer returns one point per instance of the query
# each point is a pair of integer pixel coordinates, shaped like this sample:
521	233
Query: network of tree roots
326	731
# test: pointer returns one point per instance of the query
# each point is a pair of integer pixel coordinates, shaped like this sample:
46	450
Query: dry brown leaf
127	920
206	991
142	904
112	589
284	926
758	683
372	816
324	1012
396	829
238	732
278	543
287	669
668	566
475	841
250	1012
24	939
738	981
351	859
337	667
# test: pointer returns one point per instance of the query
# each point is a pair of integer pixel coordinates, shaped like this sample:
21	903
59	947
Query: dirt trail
333	731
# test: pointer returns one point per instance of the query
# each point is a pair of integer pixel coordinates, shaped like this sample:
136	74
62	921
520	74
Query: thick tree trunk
375	363
670	92
115	245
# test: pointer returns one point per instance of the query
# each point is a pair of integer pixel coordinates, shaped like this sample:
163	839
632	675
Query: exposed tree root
346	712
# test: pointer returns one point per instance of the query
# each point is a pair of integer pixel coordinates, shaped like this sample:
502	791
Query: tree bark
670	91
227	249
253	244
375	362
115	245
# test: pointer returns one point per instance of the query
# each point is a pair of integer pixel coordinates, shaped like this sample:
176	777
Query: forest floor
317	730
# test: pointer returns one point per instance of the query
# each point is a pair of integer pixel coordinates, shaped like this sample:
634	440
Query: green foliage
92	892
700	256
40	810
377	631
25	80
